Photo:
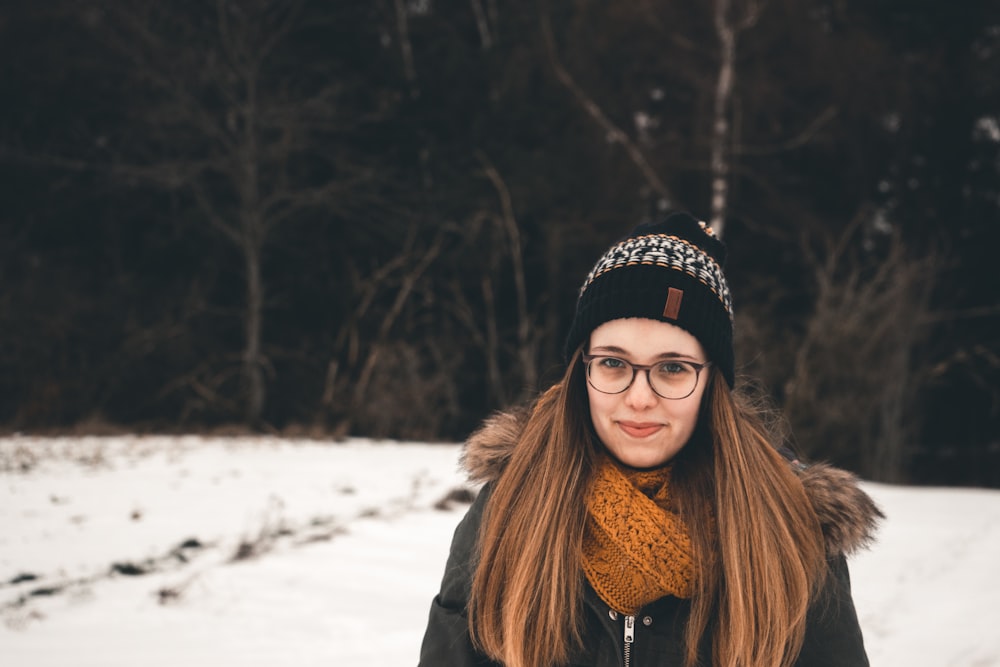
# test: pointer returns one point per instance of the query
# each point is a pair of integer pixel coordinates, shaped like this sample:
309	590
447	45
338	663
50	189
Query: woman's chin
640	460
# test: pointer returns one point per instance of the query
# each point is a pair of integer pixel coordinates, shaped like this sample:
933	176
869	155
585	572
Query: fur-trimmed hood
847	515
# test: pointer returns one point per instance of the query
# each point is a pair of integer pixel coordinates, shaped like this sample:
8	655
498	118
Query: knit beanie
670	271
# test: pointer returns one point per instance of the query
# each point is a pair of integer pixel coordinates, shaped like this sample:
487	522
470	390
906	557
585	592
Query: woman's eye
611	362
673	368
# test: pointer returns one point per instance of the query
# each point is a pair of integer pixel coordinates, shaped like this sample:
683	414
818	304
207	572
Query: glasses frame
587	358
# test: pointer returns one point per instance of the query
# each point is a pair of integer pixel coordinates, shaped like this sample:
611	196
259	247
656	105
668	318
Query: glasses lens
673	379
609	375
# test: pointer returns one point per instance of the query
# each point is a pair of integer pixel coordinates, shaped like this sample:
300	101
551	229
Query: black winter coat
833	636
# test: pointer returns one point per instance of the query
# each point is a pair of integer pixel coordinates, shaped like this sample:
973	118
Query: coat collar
847	515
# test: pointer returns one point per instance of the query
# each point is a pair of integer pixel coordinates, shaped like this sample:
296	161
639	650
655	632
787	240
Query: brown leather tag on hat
673	305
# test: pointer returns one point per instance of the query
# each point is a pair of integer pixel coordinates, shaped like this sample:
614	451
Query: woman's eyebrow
614	349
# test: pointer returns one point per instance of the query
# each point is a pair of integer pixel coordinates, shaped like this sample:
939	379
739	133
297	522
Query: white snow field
206	552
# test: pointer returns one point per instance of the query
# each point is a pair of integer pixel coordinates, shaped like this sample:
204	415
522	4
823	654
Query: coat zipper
629	638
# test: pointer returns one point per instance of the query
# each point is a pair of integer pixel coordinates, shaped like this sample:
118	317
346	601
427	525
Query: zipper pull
629	638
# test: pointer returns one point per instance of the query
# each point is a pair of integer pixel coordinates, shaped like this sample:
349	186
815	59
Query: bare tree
365	341
527	343
231	125
856	371
727	30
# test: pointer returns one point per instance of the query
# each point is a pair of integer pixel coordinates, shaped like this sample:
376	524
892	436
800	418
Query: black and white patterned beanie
670	271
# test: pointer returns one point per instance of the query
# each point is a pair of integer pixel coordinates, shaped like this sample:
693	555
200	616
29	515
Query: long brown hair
759	545
524	610
763	561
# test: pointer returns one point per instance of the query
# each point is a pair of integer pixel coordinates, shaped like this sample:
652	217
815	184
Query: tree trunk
726	33
252	233
253	362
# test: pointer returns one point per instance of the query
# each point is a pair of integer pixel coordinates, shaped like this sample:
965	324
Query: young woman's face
638	427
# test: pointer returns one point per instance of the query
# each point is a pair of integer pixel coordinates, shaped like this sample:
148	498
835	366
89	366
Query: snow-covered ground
258	551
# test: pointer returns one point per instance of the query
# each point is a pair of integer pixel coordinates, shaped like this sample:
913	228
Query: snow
265	551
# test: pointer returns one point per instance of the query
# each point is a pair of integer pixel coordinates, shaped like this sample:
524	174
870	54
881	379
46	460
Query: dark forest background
372	217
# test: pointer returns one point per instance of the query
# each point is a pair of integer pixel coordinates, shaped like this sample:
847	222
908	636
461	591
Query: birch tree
728	27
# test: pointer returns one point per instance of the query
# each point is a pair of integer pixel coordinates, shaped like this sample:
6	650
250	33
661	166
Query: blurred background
371	218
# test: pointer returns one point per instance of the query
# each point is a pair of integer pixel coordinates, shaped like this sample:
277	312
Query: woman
640	513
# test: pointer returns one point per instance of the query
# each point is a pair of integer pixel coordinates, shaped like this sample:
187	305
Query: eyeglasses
672	378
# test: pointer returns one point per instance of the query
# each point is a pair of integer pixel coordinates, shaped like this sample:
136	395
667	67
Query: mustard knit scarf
635	550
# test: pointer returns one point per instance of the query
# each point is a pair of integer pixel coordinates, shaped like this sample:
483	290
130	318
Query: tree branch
525	348
406	48
485	39
800	139
614	133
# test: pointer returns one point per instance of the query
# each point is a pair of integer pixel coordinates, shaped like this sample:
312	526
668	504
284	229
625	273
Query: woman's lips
639	429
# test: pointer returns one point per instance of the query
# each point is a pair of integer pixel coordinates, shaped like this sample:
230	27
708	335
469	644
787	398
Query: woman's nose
640	394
